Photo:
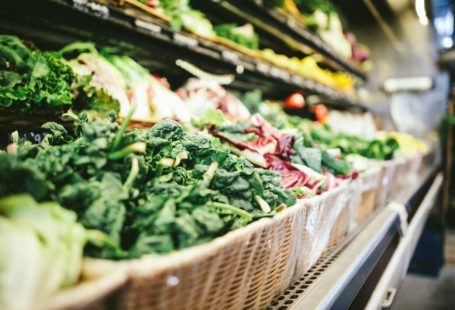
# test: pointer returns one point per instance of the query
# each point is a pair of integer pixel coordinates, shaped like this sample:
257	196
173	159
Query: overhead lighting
447	42
421	12
409	84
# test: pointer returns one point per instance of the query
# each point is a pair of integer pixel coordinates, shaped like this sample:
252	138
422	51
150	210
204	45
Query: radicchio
351	176
284	141
291	176
254	145
331	182
269	140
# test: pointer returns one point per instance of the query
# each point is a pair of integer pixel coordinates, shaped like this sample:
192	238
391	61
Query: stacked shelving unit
56	22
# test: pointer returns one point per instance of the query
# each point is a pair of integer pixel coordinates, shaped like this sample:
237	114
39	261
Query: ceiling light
421	12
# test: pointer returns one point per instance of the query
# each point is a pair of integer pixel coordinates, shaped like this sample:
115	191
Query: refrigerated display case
347	247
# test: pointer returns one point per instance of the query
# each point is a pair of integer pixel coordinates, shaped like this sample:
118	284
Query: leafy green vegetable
100	86
13	53
183	16
322	137
273	3
310	6
33	81
243	35
174	9
209	118
41	246
196	22
95	98
376	149
308	156
151	192
252	100
74	49
130	70
336	166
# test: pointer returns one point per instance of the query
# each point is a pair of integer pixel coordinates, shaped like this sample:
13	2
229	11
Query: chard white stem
138	147
180	157
265	207
210	173
133	173
231	209
166	162
70	116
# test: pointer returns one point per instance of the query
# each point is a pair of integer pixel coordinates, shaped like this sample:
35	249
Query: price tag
297	80
231	56
185	40
331	92
34	135
263	68
147	26
278	73
310	84
319	88
291	23
94	8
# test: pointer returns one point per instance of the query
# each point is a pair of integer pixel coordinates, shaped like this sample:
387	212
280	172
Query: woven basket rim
373	170
88	291
155	263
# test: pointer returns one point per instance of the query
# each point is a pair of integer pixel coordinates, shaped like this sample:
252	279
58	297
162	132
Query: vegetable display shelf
359	272
281	29
54	23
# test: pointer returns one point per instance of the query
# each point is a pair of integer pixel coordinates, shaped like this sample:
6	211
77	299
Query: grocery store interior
227	154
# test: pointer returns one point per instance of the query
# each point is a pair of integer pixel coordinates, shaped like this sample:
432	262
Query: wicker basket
323	216
359	204
398	178
369	190
407	171
345	221
339	230
98	289
386	182
245	268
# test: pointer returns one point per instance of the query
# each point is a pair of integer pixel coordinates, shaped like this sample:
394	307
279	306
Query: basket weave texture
323	224
370	186
241	269
244	269
248	267
386	181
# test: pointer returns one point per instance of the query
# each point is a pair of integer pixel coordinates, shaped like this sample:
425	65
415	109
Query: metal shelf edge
339	275
396	270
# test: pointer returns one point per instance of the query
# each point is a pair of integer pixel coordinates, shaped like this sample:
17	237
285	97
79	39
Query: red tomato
320	111
295	101
152	3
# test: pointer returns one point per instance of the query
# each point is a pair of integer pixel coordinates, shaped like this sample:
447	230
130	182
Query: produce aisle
198	155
